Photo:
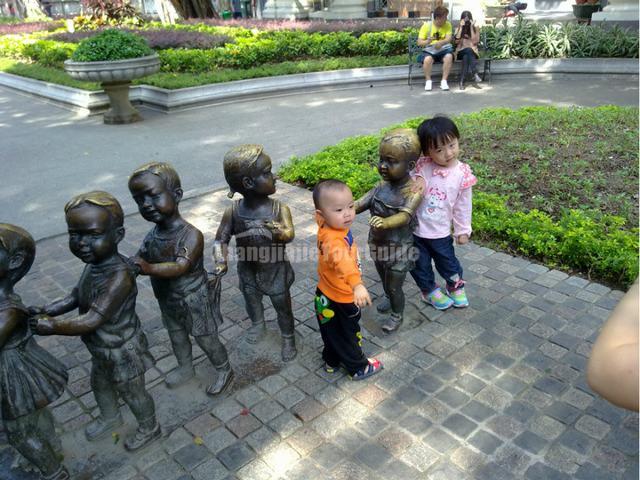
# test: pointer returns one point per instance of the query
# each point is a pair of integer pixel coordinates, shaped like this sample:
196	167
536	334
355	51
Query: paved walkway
495	391
49	154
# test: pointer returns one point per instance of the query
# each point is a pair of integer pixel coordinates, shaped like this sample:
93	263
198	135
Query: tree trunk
167	13
195	8
30	9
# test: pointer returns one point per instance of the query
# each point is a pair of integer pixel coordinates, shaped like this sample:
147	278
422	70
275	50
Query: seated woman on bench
436	37
467	38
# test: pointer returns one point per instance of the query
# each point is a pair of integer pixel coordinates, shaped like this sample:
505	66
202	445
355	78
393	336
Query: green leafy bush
111	45
599	243
527	39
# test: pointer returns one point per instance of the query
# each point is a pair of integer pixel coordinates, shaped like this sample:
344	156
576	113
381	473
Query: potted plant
114	58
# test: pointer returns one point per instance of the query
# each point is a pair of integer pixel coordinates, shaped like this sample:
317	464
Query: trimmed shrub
111	45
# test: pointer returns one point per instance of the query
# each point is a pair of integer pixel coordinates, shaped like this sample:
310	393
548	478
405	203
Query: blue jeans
441	251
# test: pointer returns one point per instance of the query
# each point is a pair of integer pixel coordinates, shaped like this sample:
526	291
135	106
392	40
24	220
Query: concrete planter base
121	111
116	77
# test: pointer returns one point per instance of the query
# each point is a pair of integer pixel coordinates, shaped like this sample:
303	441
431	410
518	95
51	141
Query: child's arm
221	243
103	308
282	230
613	364
345	267
413	198
462	216
190	253
364	202
58	307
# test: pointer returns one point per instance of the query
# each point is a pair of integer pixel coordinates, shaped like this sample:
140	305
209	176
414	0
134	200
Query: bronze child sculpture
172	255
393	203
262	227
30	378
108	325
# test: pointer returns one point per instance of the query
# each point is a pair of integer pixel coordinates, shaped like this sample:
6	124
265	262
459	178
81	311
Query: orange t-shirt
338	263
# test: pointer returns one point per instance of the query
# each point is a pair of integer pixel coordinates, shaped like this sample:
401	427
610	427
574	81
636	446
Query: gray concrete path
48	154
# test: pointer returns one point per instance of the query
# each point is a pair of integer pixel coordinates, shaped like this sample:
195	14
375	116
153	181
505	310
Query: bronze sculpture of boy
172	255
108	324
393	204
262	228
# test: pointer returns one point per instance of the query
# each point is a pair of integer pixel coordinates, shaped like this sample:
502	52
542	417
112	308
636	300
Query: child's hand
378	222
273	226
140	264
33	311
42	325
462	239
419	185
361	296
220	269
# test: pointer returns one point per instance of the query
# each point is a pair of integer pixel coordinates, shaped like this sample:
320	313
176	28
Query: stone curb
174	99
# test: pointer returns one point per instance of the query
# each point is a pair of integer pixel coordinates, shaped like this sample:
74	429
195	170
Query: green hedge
253	48
597	244
47	53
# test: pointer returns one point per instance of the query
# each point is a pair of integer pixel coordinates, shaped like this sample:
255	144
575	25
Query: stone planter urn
115	77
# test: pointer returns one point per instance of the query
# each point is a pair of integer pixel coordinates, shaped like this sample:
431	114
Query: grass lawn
559	185
552	159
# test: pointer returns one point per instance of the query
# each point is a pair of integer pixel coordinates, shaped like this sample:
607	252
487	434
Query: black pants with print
340	329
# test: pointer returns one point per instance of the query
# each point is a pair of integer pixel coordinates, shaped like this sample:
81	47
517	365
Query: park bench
484	62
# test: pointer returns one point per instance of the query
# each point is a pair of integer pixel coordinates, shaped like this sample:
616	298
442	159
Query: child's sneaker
437	299
372	368
459	297
329	369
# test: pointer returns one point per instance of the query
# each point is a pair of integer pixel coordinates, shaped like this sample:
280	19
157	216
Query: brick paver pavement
494	391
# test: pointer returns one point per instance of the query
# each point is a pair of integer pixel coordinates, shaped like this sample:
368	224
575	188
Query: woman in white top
467	37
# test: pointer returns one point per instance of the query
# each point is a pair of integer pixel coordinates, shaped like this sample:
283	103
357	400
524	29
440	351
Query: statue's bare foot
179	376
256	332
289	350
224	379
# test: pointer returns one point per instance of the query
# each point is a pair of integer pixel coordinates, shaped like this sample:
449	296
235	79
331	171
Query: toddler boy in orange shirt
340	293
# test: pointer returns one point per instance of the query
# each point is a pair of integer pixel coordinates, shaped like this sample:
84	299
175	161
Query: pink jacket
447	199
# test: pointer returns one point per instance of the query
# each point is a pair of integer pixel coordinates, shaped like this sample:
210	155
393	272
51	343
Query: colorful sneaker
437	299
374	367
459	297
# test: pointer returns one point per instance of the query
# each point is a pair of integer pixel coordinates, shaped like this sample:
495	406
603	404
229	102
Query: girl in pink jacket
446	183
